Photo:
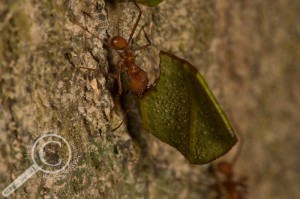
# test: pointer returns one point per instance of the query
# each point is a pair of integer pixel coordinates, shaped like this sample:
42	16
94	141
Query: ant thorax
133	70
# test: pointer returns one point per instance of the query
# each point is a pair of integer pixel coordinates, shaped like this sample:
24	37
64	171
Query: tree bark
247	50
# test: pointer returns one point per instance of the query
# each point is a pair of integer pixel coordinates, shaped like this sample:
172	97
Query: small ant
235	188
138	78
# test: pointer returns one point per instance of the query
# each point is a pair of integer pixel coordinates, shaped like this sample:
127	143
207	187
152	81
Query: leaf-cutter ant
189	79
235	188
138	77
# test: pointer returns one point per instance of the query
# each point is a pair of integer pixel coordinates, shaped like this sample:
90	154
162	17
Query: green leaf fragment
182	111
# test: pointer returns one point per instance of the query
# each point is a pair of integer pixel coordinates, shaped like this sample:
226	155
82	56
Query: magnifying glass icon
35	167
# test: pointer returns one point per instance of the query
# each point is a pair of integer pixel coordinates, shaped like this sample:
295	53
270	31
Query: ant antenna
144	46
136	23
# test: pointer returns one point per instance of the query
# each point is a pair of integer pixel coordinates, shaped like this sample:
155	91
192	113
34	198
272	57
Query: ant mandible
138	78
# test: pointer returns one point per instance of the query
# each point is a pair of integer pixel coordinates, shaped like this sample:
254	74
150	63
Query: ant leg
144	46
88	68
126	112
135	25
105	73
74	62
90	32
120	88
75	67
93	69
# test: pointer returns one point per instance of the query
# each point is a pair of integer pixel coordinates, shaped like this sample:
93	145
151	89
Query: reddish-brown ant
234	188
138	78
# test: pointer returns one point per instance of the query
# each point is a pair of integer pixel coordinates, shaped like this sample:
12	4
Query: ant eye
118	43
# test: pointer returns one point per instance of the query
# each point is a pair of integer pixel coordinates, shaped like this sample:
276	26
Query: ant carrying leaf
179	109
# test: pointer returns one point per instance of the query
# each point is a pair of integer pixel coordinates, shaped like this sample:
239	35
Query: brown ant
138	78
234	188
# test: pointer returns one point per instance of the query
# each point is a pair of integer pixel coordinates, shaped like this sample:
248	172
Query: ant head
118	43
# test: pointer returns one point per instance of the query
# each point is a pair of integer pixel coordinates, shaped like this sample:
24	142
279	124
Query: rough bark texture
248	51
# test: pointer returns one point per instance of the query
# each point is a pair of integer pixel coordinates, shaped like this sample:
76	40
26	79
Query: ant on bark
234	188
138	78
